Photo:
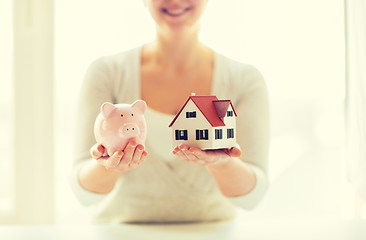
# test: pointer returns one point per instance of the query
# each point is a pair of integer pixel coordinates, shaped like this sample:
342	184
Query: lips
175	12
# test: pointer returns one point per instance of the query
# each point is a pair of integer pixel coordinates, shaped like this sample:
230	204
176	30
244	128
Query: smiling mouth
175	12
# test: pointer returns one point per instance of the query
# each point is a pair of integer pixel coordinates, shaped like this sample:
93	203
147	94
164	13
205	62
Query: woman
159	186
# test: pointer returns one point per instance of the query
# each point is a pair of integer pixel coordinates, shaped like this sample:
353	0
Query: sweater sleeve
252	131
95	90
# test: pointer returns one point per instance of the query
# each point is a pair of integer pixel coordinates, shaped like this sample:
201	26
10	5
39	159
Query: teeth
175	12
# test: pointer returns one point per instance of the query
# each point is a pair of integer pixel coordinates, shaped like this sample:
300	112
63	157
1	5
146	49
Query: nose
130	130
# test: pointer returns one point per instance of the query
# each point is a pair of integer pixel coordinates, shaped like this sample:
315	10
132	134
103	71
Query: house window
230	113
202	134
230	133
191	114
181	135
218	133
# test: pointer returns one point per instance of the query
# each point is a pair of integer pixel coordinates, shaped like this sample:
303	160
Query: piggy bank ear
106	109
139	105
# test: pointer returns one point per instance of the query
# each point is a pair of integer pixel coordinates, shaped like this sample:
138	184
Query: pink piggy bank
117	124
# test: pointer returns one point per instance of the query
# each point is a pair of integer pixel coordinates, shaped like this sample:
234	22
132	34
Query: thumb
235	152
97	151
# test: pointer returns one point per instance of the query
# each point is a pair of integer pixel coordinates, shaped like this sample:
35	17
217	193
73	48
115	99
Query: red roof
211	108
221	107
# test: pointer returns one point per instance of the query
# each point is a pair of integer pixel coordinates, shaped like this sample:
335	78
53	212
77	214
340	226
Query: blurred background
299	46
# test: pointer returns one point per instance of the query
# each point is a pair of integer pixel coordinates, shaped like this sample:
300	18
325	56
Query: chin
186	25
179	29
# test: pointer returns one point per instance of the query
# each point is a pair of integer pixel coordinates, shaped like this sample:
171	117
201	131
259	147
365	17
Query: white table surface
239	228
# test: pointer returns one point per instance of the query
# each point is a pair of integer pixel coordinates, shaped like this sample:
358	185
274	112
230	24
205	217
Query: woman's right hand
131	157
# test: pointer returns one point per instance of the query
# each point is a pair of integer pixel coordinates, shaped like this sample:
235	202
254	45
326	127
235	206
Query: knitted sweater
166	188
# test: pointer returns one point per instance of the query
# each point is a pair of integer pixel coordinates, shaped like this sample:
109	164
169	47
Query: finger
113	161
175	150
123	168
128	152
203	157
182	155
193	154
97	151
199	153
185	150
234	152
212	155
143	157
135	161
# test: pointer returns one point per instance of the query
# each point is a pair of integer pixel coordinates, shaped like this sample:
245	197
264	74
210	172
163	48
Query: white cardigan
165	188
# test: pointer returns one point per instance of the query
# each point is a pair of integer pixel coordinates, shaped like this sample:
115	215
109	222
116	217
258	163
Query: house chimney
193	94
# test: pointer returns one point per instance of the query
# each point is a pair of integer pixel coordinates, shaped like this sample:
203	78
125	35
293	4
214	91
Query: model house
205	122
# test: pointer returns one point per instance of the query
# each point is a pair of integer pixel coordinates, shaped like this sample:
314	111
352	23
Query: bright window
6	113
26	118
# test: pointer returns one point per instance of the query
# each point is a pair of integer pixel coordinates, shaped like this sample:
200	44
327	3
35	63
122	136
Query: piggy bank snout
129	129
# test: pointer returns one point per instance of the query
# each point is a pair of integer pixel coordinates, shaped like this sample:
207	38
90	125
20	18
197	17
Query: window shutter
205	135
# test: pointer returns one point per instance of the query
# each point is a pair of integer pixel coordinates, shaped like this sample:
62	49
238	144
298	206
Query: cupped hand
206	157
131	157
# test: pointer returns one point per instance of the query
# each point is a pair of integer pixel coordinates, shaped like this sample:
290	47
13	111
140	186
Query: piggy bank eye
132	114
121	115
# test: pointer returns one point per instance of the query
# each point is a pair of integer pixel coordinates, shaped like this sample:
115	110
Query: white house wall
230	122
191	124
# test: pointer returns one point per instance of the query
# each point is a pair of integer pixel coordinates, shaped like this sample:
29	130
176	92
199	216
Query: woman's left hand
206	157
